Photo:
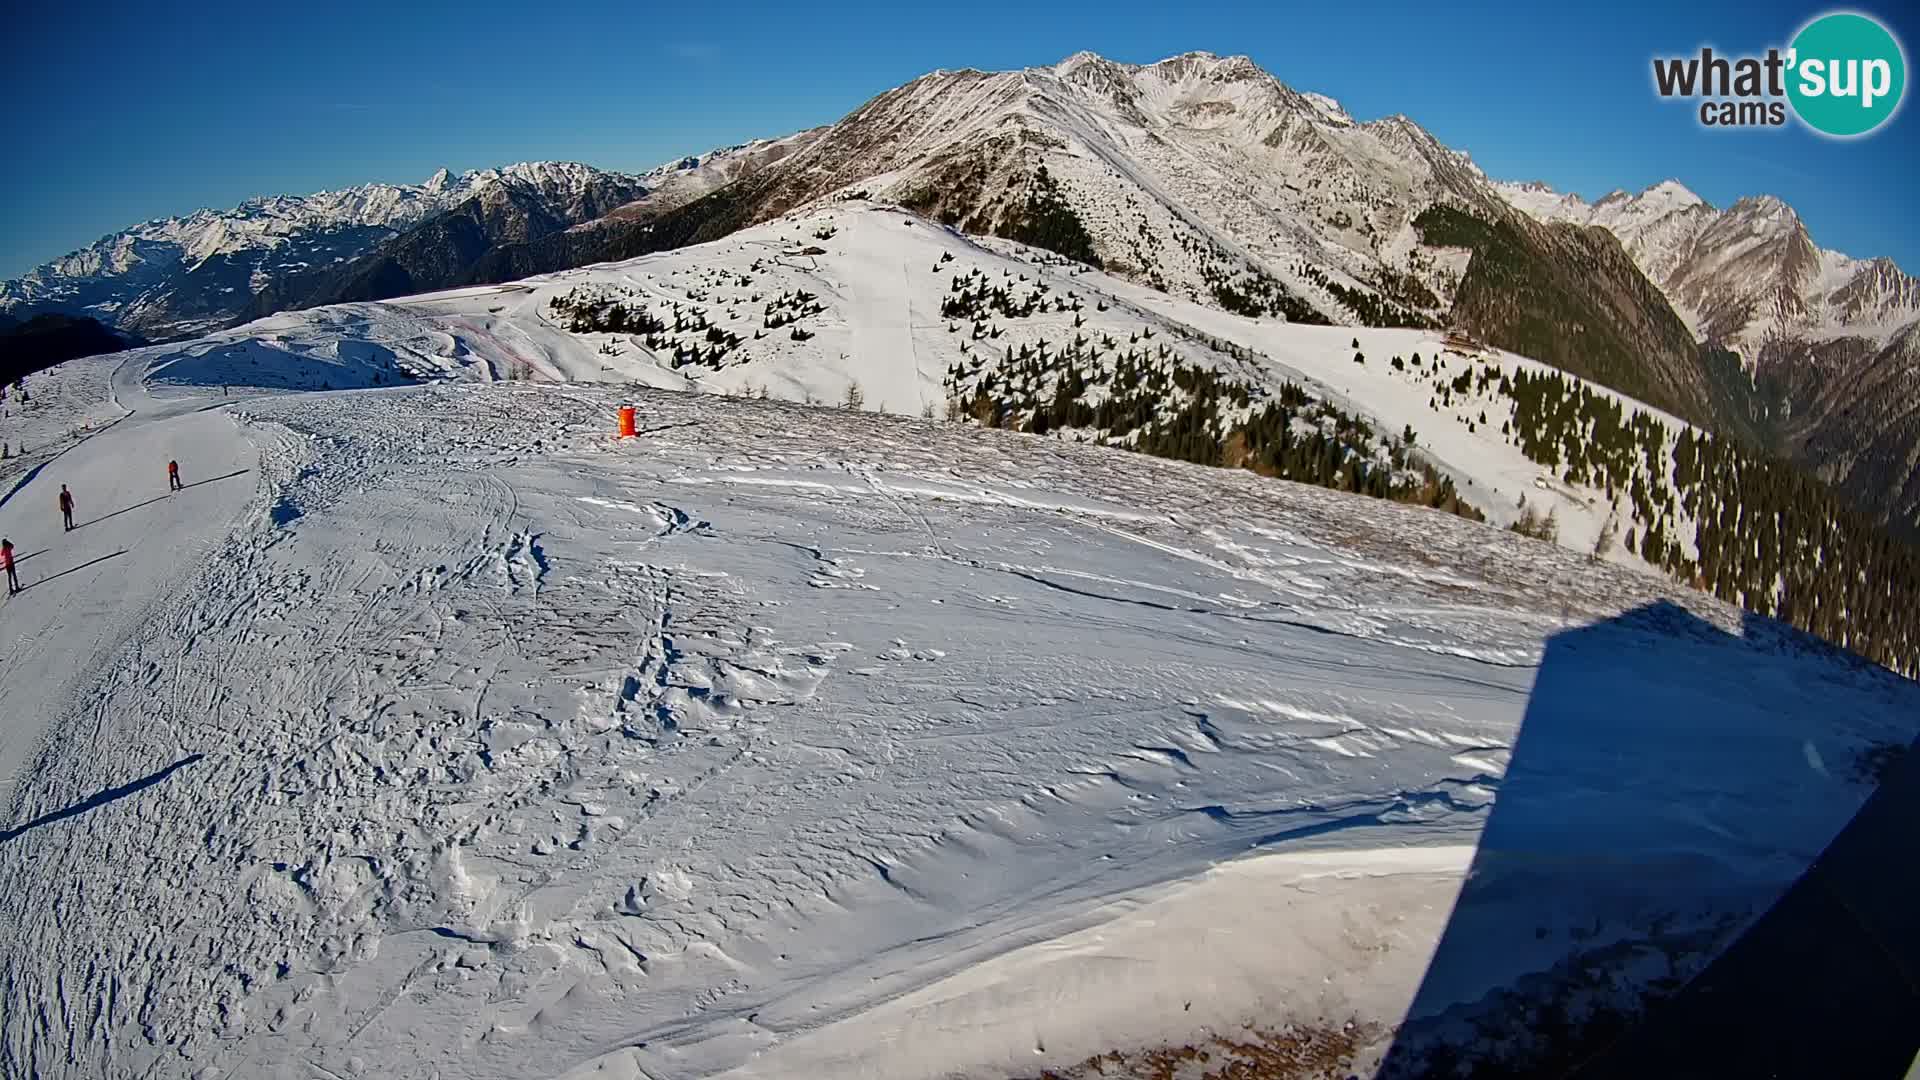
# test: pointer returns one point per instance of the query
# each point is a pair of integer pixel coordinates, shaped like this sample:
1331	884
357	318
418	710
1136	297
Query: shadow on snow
71	570
162	498
1649	810
100	799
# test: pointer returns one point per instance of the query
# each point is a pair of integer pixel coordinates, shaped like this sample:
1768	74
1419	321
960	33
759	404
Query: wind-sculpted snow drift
456	737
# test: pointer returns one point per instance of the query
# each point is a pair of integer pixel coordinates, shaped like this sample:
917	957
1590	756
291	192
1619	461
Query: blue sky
115	114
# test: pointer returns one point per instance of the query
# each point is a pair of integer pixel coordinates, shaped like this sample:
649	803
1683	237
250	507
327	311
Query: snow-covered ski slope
455	737
54	410
101	580
872	320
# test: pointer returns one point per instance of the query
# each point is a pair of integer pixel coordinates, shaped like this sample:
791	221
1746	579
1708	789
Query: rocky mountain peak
1764	210
1329	109
1673	193
1093	72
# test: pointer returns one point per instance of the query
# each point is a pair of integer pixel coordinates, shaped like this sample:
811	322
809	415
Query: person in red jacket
6	562
66	507
173	476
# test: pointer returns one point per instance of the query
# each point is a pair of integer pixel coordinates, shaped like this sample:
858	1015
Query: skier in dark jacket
6	563
66	507
173	476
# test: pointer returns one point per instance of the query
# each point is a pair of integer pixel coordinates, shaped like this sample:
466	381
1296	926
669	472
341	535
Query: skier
6	561
66	507
173	476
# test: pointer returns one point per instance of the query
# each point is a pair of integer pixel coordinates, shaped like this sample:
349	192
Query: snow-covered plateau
435	731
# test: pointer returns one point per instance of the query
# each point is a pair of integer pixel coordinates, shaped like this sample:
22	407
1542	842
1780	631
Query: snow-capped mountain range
1211	180
1183	171
1187	172
1832	342
181	275
1743	276
1204	177
682	180
1211	153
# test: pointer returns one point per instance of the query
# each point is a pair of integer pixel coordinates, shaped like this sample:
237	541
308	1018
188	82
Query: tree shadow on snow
100	799
1657	798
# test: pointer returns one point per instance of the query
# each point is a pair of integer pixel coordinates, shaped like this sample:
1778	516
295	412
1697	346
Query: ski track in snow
458	738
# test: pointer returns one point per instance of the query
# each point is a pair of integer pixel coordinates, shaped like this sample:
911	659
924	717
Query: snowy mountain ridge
1830	344
1742	276
684	179
269	220
130	278
1194	172
1210	180
866	305
852	300
1245	170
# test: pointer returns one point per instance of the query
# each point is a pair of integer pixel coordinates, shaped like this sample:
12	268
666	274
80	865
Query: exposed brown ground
1252	1053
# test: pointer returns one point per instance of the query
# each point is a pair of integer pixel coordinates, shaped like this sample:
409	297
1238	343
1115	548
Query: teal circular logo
1848	74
